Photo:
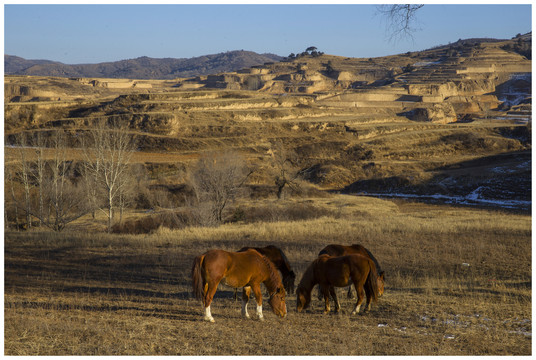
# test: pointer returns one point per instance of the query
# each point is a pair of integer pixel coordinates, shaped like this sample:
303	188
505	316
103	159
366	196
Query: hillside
449	124
142	67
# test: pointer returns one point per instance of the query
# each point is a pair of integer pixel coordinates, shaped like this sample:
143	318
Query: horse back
274	254
342	250
339	271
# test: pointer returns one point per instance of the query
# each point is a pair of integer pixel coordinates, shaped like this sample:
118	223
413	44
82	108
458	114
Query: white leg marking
208	315
356	311
259	312
245	309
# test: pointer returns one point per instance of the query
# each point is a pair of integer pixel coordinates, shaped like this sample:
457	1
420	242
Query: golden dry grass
77	293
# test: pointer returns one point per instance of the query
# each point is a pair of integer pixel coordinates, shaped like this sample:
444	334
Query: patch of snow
427	63
472	199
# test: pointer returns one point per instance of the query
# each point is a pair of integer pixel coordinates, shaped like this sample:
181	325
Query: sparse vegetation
457	283
263	156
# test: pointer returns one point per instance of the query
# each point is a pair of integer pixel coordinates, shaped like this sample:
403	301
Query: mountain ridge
143	67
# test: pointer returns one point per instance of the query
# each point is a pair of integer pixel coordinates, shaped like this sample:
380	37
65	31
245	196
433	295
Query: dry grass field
458	282
456	125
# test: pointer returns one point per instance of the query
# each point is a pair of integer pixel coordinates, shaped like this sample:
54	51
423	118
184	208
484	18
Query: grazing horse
341	250
276	255
330	272
239	269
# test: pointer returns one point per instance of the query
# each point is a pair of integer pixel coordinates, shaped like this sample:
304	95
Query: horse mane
274	280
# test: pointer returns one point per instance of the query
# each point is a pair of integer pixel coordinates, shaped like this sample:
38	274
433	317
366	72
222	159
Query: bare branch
400	19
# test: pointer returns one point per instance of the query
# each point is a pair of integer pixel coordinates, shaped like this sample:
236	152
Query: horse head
303	298
381	283
277	302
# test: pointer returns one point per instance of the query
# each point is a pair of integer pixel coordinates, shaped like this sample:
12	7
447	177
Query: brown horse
330	272
341	250
239	269
276	255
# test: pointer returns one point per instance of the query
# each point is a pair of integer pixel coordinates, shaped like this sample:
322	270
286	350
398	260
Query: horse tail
378	268
371	284
197	277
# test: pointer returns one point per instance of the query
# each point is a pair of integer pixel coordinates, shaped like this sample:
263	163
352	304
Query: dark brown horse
341	250
246	269
281	262
330	272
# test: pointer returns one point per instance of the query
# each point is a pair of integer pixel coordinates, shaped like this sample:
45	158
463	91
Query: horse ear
382	275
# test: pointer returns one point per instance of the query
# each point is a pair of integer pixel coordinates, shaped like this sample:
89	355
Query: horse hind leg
208	315
326	290
360	296
209	292
335	299
245	299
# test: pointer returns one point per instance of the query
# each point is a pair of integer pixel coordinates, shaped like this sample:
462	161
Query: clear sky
77	34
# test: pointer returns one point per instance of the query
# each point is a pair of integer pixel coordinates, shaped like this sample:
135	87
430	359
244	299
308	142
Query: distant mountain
14	64
142	67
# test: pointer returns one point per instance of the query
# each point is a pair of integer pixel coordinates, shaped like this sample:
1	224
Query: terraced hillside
451	123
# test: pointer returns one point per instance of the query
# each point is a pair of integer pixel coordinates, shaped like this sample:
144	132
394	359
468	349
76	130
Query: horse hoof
261	318
209	319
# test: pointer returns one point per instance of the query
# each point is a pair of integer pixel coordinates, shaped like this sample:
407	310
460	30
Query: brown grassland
458	282
436	122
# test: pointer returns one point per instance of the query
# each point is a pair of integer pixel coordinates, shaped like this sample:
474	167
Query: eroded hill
452	123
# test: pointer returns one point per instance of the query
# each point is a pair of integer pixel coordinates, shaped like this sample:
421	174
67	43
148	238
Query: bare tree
9	182
58	196
400	19
23	175
39	173
284	163
63	197
108	150
217	180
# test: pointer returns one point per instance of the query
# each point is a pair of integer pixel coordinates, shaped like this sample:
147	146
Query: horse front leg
325	291
258	297
334	296
360	296
245	299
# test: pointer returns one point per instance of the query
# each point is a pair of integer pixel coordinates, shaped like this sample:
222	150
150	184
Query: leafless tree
9	203
400	19
108	150
23	175
217	179
284	163
58	197
39	173
63	197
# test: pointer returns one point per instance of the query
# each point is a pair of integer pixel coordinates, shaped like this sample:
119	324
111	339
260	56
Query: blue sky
77	34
